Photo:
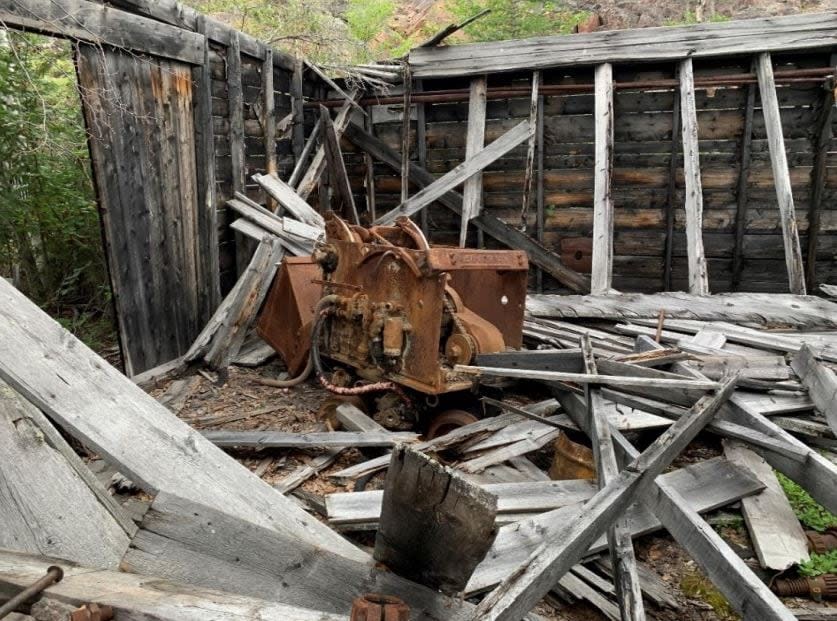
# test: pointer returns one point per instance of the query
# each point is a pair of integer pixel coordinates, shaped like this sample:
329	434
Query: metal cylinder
377	607
821	542
817	588
53	575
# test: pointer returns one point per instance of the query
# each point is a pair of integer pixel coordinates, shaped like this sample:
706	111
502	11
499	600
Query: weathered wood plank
777	536
189	542
47	507
313	439
94	23
435	526
742	193
474	143
285	195
508	235
336	167
460	173
641	44
781	174
148	444
139	598
298	110
821	382
752	308
405	133
698	271
671	190
531	146
602	271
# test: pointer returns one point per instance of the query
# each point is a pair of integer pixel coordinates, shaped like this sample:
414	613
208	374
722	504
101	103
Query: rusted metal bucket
571	461
377	607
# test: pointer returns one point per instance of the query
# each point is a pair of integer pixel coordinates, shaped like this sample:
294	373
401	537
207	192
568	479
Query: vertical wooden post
781	175
602	271
474	142
822	142
698	276
405	135
539	193
369	165
297	107
743	188
269	120
676	141
205	175
529	173
421	151
235	94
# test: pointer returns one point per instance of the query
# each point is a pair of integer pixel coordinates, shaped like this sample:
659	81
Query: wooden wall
644	148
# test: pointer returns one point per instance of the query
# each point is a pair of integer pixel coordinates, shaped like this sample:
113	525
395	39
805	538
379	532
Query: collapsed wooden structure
215	157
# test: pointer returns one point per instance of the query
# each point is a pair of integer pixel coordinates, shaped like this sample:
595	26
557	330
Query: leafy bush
807	510
515	19
819	564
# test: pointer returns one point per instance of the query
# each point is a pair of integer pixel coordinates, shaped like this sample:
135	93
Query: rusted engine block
400	310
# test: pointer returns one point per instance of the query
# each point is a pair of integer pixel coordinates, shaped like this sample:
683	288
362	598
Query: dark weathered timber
698	271
435	526
298	109
531	145
676	149
302	160
210	294
269	119
338	178
623	46
94	23
474	142
499	230
569	360
405	134
602	270
421	148
742	193
539	192
159	263
781	174
369	162
822	141
235	135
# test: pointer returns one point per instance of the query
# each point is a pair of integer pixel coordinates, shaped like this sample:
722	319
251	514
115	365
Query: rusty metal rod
793	76
53	575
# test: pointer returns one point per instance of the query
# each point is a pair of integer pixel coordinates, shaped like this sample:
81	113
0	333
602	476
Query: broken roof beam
338	178
795	32
499	230
286	196
519	593
781	174
460	173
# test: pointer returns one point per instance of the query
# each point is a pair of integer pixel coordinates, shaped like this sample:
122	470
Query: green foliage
690	18
819	564
514	19
368	18
50	241
807	510
695	585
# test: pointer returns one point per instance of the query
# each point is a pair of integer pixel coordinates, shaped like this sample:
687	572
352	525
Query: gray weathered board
140	598
110	414
327	439
46	507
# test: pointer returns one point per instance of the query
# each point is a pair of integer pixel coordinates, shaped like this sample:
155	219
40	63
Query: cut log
435	526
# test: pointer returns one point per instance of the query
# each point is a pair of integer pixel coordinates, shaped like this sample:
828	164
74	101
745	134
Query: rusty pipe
792	76
54	574
821	542
817	588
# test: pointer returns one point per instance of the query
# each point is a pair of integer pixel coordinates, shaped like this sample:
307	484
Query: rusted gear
460	348
447	421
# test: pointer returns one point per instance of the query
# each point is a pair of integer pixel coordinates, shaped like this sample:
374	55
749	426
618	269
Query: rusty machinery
395	313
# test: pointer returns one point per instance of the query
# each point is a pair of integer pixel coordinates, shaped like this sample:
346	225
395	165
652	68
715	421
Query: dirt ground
296	410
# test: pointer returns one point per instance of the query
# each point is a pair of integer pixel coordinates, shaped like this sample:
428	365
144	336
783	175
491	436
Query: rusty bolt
92	612
377	607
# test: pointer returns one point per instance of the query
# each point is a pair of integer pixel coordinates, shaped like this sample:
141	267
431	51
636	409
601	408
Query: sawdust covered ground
296	410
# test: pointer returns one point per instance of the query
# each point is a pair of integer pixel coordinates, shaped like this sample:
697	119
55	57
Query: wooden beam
298	109
94	23
328	439
781	174
821	382
529	174
301	162
421	151
285	196
698	275
671	192
405	135
460	173
474	143
502	232
333	85
539	193
822	143
742	193
602	271
269	120
519	593
235	94
369	162
435	526
139	598
794	32
338	177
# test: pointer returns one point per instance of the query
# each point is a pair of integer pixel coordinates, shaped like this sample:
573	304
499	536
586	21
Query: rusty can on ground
571	461
92	612
377	607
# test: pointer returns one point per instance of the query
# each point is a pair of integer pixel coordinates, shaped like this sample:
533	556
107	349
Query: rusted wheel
447	421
